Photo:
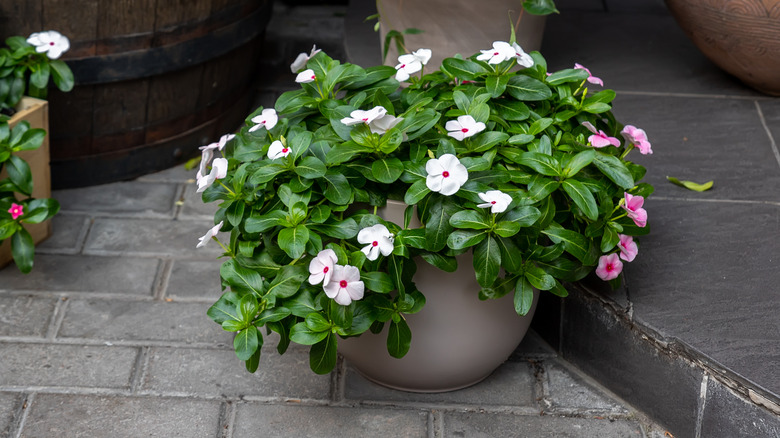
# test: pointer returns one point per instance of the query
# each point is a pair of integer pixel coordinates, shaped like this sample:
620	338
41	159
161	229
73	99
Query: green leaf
539	126
61	75
609	239
460	239
399	338
614	169
573	242
38	210
507	228
446	264
538	278
437	226
416	192
288	281
596	107
496	85
246	343
31	139
317	323
567	75
323	355
20	174
338	190
541	187
463	69
470	219
461	100
387	170
511	110
247	308
293	240
690	185
345	229
272	315
39	78
241	278
511	258
487	261
310	167
525	88
577	162
260	224
254	362
539	7
266	173
582	197
301	334
544	164
525	215
524	296
224	309
486	140
377	281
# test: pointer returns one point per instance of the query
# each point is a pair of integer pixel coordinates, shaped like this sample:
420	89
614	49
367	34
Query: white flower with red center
360	116
411	63
500	52
464	126
628	248
377	239
522	58
592	79
321	267
446	174
600	139
637	137
345	285
218	171
383	124
496	200
302	59
306	76
267	119
52	43
277	150
609	267
209	235
16	210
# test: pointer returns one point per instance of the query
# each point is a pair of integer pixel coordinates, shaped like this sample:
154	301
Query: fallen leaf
690	185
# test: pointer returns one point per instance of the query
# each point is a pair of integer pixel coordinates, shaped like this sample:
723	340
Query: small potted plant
498	168
26	68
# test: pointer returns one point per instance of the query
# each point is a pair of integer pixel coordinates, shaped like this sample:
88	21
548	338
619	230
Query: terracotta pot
740	36
451	27
457	340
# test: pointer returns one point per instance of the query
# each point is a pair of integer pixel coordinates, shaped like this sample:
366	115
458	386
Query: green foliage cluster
565	210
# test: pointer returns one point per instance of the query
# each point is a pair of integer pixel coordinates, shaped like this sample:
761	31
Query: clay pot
740	36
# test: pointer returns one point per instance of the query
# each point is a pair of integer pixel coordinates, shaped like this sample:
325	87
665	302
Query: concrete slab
489	425
728	415
67	235
9	404
569	393
129	198
193	207
25	315
194	279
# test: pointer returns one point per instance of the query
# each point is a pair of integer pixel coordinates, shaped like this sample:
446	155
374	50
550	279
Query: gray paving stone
193	206
141	321
730	146
569	393
65	365
69	415
176	174
729	415
512	384
129	198
302	421
532	347
220	373
489	425
771	111
67	235
150	237
195	279
703	276
60	273
25	316
9	403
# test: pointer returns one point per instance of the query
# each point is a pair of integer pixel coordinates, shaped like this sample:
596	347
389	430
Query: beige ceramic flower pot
457	340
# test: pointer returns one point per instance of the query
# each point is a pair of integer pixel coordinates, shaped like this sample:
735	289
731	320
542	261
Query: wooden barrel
155	79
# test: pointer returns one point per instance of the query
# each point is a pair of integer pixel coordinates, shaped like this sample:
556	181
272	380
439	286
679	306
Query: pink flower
592	79
345	285
609	267
599	139
628	248
267	119
305	77
634	210
321	267
379	240
16	210
210	234
464	127
637	137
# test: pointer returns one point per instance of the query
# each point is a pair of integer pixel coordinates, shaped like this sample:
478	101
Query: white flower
383	124
302	59
464	127
496	200
408	64
52	43
423	55
218	171
211	233
500	52
378	238
306	76
360	116
321	267
345	285
523	58
205	159
446	174
267	119
277	150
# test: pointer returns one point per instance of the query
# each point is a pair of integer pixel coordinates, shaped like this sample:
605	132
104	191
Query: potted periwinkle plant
497	170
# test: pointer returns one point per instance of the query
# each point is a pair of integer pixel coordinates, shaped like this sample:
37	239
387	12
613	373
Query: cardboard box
36	113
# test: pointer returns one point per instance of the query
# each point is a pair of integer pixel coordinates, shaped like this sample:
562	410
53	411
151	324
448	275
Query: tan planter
36	113
457	340
452	27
